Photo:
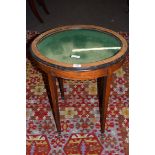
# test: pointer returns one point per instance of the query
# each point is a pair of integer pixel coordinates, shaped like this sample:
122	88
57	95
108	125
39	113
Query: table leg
34	10
103	93
61	86
42	3
54	104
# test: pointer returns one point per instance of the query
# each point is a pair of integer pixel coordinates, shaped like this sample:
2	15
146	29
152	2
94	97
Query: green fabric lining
59	46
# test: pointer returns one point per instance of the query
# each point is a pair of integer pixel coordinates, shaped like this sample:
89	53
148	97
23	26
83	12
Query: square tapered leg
54	103
103	85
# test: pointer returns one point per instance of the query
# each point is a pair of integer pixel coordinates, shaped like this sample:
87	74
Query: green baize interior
59	46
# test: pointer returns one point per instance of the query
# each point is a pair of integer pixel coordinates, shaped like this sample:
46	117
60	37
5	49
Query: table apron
80	75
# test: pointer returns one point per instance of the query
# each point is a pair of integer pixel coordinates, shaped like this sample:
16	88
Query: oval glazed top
79	47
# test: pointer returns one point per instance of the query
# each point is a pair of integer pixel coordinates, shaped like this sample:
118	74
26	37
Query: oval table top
79	47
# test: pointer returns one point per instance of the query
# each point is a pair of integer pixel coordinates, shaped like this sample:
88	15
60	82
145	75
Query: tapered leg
61	86
103	94
42	3
54	104
34	10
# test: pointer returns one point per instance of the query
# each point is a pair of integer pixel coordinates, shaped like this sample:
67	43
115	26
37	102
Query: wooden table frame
101	70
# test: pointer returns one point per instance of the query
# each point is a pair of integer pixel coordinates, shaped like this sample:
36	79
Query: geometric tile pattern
81	143
79	114
37	144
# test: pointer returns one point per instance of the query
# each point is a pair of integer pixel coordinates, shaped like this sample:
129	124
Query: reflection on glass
79	46
96	49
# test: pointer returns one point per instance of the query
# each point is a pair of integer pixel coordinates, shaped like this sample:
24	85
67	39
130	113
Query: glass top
79	46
